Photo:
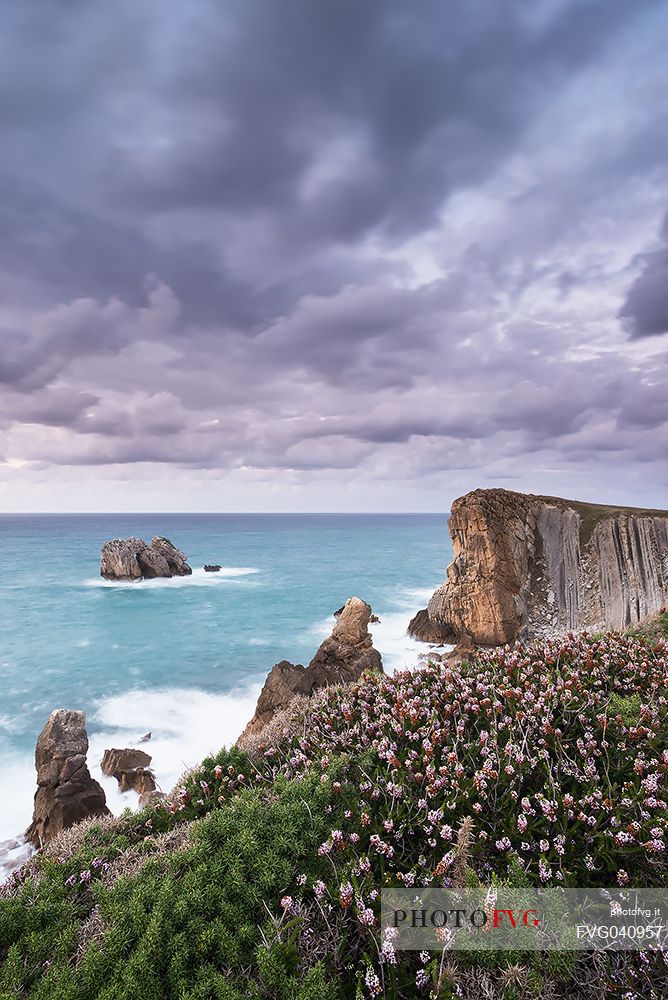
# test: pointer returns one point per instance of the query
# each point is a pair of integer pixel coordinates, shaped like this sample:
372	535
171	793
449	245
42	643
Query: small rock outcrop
284	682
66	792
341	658
134	559
528	566
212	568
130	768
348	651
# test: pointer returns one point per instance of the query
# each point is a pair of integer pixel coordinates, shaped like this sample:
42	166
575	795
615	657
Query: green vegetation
653	629
592	514
261	877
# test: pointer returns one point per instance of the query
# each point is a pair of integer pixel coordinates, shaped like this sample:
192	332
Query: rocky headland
135	559
529	566
67	793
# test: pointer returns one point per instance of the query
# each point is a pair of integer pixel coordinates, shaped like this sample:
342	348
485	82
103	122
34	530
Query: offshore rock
372	620
528	566
134	559
130	768
341	658
66	793
114	761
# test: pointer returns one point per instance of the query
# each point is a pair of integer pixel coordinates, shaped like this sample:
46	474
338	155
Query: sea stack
529	566
341	658
66	792
134	559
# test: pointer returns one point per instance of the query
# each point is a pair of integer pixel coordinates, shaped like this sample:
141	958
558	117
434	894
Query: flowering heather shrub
558	753
546	765
553	759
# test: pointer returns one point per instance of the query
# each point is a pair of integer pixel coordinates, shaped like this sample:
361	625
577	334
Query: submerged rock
134	559
66	792
526	566
341	658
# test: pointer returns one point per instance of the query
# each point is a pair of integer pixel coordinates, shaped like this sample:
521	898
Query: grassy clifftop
592	514
261	877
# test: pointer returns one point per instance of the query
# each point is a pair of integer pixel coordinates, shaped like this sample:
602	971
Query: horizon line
222	513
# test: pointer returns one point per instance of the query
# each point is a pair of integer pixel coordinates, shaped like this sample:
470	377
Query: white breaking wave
19	784
415	597
199	578
186	724
398	649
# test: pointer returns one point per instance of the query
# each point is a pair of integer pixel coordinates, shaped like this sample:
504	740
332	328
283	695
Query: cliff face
528	565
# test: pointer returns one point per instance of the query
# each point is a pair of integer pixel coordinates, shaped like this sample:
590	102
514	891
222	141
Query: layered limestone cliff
526	566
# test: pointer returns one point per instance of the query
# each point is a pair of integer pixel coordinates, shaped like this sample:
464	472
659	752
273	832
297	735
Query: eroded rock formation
341	658
66	793
527	566
422	627
134	559
130	768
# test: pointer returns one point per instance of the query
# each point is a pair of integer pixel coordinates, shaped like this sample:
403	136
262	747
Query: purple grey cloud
645	311
373	241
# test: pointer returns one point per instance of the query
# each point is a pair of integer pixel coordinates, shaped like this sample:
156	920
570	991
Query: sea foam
199	578
186	724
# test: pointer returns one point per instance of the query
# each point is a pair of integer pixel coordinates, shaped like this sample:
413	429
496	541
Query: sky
332	256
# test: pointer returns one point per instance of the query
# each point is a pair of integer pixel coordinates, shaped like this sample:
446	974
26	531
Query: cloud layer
270	249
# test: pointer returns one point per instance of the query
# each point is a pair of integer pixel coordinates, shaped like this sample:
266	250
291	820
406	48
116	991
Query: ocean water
185	658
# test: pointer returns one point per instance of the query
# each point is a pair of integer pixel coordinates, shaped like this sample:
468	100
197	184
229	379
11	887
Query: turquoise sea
185	658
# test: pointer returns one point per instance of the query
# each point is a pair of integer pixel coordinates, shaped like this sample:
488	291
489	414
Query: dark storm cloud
215	218
645	311
323	121
340	117
69	252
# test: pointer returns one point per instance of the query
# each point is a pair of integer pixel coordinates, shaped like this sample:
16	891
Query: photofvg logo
499	919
